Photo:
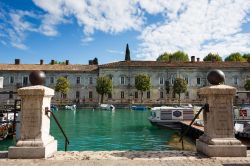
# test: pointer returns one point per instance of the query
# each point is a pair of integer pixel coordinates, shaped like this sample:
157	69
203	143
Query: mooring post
219	139
35	139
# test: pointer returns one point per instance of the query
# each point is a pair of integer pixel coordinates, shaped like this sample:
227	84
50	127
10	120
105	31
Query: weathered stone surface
33	152
221	150
35	140
218	138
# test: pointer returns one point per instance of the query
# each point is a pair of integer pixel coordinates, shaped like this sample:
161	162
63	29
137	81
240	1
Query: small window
235	81
186	79
110	95
161	80
110	77
136	95
11	79
198	80
122	95
11	95
51	80
25	81
77	94
78	80
90	94
187	95
172	80
148	94
122	80
90	80
161	95
63	96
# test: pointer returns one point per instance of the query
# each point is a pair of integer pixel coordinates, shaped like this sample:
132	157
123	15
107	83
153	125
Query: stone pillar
218	139
35	140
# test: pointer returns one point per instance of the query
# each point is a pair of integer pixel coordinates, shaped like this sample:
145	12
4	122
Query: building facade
82	79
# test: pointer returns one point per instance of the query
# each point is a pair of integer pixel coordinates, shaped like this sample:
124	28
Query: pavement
129	158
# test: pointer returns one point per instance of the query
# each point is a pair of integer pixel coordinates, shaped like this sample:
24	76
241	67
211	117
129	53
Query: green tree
103	86
212	56
235	57
58	62
180	86
246	56
179	56
142	83
247	84
62	85
164	57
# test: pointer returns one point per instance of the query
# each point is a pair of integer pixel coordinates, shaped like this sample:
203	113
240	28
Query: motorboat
170	116
6	120
139	108
242	119
107	107
70	107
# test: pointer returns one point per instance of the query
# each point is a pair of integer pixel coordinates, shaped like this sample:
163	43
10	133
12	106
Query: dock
196	131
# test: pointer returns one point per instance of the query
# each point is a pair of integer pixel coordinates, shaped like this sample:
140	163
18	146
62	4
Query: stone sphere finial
216	77
37	77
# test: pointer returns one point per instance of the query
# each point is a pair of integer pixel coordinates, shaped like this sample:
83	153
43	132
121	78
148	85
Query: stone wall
129	74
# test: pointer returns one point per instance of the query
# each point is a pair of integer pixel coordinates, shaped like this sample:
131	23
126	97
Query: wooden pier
196	131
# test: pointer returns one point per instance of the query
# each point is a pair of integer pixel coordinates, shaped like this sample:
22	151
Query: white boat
70	107
170	116
242	119
107	107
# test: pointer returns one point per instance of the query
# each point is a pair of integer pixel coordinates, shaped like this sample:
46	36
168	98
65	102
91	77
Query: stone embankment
145	158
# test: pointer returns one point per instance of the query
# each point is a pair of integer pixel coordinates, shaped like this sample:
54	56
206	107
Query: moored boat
139	108
70	107
107	107
169	116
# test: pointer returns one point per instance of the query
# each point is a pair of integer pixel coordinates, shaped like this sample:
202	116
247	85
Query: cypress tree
127	55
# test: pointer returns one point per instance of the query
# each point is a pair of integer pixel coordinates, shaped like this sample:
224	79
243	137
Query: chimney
67	62
90	62
198	59
52	62
17	61
192	58
41	61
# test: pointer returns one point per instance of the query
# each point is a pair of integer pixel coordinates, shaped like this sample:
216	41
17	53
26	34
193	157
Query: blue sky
79	30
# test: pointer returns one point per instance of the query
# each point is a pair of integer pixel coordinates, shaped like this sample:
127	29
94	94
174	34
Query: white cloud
109	16
14	27
87	40
203	27
196	27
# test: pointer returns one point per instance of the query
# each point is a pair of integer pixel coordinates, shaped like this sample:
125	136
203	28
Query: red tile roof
48	67
122	64
158	64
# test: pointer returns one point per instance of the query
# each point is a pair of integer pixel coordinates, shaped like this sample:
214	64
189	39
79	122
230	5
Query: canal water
95	130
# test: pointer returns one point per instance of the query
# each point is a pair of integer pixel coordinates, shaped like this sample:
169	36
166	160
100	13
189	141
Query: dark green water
105	130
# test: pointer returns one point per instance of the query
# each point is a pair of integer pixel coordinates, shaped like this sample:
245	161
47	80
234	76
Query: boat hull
171	124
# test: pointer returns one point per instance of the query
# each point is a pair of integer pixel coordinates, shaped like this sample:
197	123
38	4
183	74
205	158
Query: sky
80	30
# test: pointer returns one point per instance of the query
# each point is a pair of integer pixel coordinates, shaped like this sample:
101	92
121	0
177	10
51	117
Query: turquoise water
106	130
